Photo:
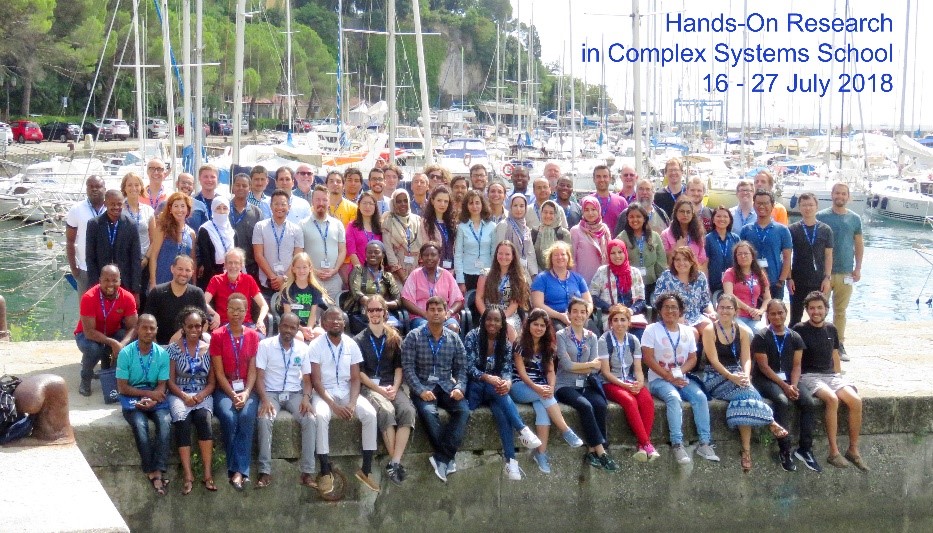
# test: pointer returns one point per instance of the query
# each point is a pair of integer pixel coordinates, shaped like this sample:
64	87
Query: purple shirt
611	208
357	240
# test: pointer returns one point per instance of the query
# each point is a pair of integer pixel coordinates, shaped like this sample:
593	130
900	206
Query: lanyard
378	351
434	351
503	283
376	275
137	215
287	361
810	238
323	234
518	233
437	275
629	199
279	238
223	242
620	348
233	285
618	291
750	282
603	207
104	310
578	343
233	218
564	284
370	236
443	229
409	240
478	238
154	201
145	368
780	345
112	231
674	345
236	352
193	366
640	243
96	212
336	357
185	240
763	233
674	196
723	246
722	330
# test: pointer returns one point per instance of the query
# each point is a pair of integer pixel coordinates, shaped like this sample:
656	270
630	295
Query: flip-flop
187	487
264	481
209	485
238	485
160	490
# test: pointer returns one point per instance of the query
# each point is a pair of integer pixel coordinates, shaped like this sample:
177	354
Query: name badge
296	307
763	263
432	379
278	268
677	372
283	397
325	263
238	385
848	280
581	382
782	375
447	264
377	382
643	271
409	260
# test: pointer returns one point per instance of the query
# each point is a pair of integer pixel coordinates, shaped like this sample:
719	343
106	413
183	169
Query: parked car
156	128
180	128
26	130
98	131
221	127
119	127
244	126
6	134
61	131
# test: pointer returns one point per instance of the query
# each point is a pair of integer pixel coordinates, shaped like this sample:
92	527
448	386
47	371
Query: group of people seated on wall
387	301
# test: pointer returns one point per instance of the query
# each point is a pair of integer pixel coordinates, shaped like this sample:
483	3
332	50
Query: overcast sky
596	20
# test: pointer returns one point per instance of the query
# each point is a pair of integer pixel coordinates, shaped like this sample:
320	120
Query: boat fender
507	169
466	160
709	145
884	203
793	201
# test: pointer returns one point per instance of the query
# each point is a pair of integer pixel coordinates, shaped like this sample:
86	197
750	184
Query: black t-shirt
375	367
818	350
809	266
666	200
767	343
165	306
301	301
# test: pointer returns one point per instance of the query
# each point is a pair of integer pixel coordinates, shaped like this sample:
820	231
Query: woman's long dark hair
645	227
694	228
501	341
521	292
375	221
755	267
548	345
430	217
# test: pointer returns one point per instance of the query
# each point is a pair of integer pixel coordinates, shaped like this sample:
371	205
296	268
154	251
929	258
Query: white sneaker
680	454
706	451
528	438
514	471
452	466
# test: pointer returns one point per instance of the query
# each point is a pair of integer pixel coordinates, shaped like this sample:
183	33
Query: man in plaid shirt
434	366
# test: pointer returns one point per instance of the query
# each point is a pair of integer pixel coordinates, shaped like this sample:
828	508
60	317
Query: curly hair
464	210
547	346
166	222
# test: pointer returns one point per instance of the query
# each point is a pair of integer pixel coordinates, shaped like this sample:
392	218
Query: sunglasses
303	173
374	310
436	176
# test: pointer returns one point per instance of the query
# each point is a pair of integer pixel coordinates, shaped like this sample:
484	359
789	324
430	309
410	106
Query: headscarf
597	231
623	272
396	223
518	231
219	229
547	233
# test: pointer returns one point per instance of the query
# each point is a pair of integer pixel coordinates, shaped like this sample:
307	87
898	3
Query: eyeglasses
156	169
374	310
304	173
629	174
727	308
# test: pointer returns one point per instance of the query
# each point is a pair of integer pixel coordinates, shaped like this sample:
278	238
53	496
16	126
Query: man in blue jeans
434	366
107	323
142	373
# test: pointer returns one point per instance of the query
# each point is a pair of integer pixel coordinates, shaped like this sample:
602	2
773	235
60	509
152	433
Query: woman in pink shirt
365	228
748	283
590	239
430	280
685	230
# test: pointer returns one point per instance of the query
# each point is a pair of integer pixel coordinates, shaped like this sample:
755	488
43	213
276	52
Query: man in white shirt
76	229
325	240
743	213
335	363
283	375
298	208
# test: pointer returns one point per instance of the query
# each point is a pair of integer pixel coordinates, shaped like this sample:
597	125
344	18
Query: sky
599	24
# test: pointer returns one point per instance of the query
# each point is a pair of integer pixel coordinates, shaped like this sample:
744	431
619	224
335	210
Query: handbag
108	385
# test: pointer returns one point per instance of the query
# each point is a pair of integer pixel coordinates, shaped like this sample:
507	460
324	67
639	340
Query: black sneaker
807	457
593	460
607	463
787	461
84	389
402	473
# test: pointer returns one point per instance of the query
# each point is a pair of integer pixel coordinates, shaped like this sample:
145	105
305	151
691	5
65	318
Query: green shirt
845	228
142	370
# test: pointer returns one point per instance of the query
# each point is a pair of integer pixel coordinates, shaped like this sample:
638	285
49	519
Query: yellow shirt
345	212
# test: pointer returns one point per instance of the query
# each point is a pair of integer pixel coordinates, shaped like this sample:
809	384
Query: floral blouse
696	295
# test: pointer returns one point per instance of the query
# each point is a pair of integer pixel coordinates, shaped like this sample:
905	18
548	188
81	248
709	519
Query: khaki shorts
399	412
810	384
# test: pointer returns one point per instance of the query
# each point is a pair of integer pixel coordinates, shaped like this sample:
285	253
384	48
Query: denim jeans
237	427
522	393
672	397
590	405
503	412
153	452
444	439
781	407
753	324
94	352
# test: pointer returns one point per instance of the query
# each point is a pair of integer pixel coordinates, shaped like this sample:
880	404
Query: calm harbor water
45	306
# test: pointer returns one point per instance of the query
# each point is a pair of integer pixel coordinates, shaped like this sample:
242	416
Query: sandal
160	489
237	483
264	481
209	484
778	431
186	488
746	461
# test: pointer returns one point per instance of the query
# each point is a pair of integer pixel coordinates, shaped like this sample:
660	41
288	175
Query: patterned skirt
746	407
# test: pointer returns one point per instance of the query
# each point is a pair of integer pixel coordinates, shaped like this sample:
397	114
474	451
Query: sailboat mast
390	78
137	71
518	51
904	75
169	94
498	78
198	133
340	74
288	63
636	85
573	104
186	71
423	77
238	78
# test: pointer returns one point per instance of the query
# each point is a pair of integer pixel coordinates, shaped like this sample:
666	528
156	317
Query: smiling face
114	204
776	315
377	182
430	257
564	189
602	178
496	195
193	326
840	195
629	177
578	314
279	207
288	328
493	324
478	179
674	175
109	282
146	329
367	206
619	324
284	181
763	206
440	202
179	210
807	207
762	182
391	179
459	188
635	219
682	264
301	269
721	219
696	191
504	256
538	328
333	322
517	207
233	264
182	271
591	213
419	185
305	177
208	179
670	311
816	310
133	188
240	188
617	256
548	215
726	309
542	190
520	179
644	193
374	255
559	259
185	184
401	205
475	206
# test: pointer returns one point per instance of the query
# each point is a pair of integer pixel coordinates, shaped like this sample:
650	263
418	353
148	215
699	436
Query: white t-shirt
298	210
663	342
320	249
283	371
78	216
277	253
335	363
144	218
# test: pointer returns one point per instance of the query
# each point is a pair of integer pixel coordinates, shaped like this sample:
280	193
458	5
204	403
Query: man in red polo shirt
107	323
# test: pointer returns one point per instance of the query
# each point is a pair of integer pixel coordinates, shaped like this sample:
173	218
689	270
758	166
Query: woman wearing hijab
401	231
215	239
550	230
590	239
514	229
618	283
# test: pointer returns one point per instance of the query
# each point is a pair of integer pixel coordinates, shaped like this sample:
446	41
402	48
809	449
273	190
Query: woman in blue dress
170	237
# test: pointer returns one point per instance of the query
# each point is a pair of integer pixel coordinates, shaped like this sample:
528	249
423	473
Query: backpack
13	425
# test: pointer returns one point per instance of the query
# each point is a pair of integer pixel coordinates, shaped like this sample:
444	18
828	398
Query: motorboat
903	200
